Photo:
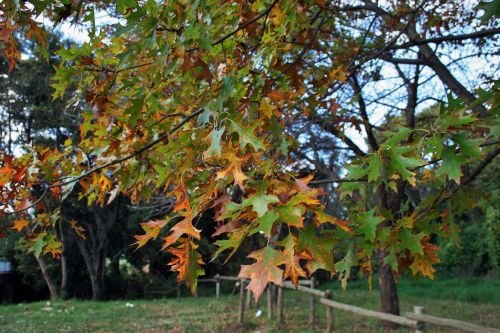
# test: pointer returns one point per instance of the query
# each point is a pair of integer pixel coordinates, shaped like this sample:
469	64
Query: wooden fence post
241	313
329	313
280	304
217	286
312	304
419	310
249	299
269	301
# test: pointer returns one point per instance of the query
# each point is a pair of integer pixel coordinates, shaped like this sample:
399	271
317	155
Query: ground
476	301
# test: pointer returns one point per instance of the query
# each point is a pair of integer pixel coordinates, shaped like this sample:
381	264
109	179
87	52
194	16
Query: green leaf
402	165
260	201
392	259
468	147
369	224
247	136
452	164
291	215
266	223
66	189
374	167
343	267
215	147
37	244
123	5
203	118
411	242
320	248
394	138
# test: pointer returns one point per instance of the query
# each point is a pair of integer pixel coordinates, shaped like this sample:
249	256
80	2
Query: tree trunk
64	263
64	275
97	286
389	300
94	260
48	280
94	248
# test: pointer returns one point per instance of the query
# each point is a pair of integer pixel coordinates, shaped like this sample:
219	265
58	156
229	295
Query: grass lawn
476	301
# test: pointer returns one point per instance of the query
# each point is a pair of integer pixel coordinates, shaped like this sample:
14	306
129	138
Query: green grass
473	290
448	298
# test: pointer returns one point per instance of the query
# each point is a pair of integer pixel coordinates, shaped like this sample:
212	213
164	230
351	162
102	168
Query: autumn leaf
152	230
234	168
266	108
321	217
187	262
234	241
78	229
263	271
20	224
185	227
293	270
181	198
320	248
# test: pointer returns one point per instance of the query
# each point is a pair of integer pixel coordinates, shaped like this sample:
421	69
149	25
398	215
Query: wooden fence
415	320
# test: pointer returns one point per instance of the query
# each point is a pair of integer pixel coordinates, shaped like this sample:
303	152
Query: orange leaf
187	262
78	229
181	198
234	168
20	224
181	228
293	270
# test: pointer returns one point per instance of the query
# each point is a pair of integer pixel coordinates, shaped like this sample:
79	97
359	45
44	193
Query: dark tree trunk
94	261
389	300
94	248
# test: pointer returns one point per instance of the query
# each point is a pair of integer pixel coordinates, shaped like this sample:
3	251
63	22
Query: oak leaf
152	230
263	271
293	270
187	262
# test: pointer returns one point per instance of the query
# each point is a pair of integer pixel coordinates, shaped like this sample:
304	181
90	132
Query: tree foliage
200	101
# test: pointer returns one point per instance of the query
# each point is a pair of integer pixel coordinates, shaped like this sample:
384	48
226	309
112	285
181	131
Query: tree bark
94	248
48	280
64	263
389	299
